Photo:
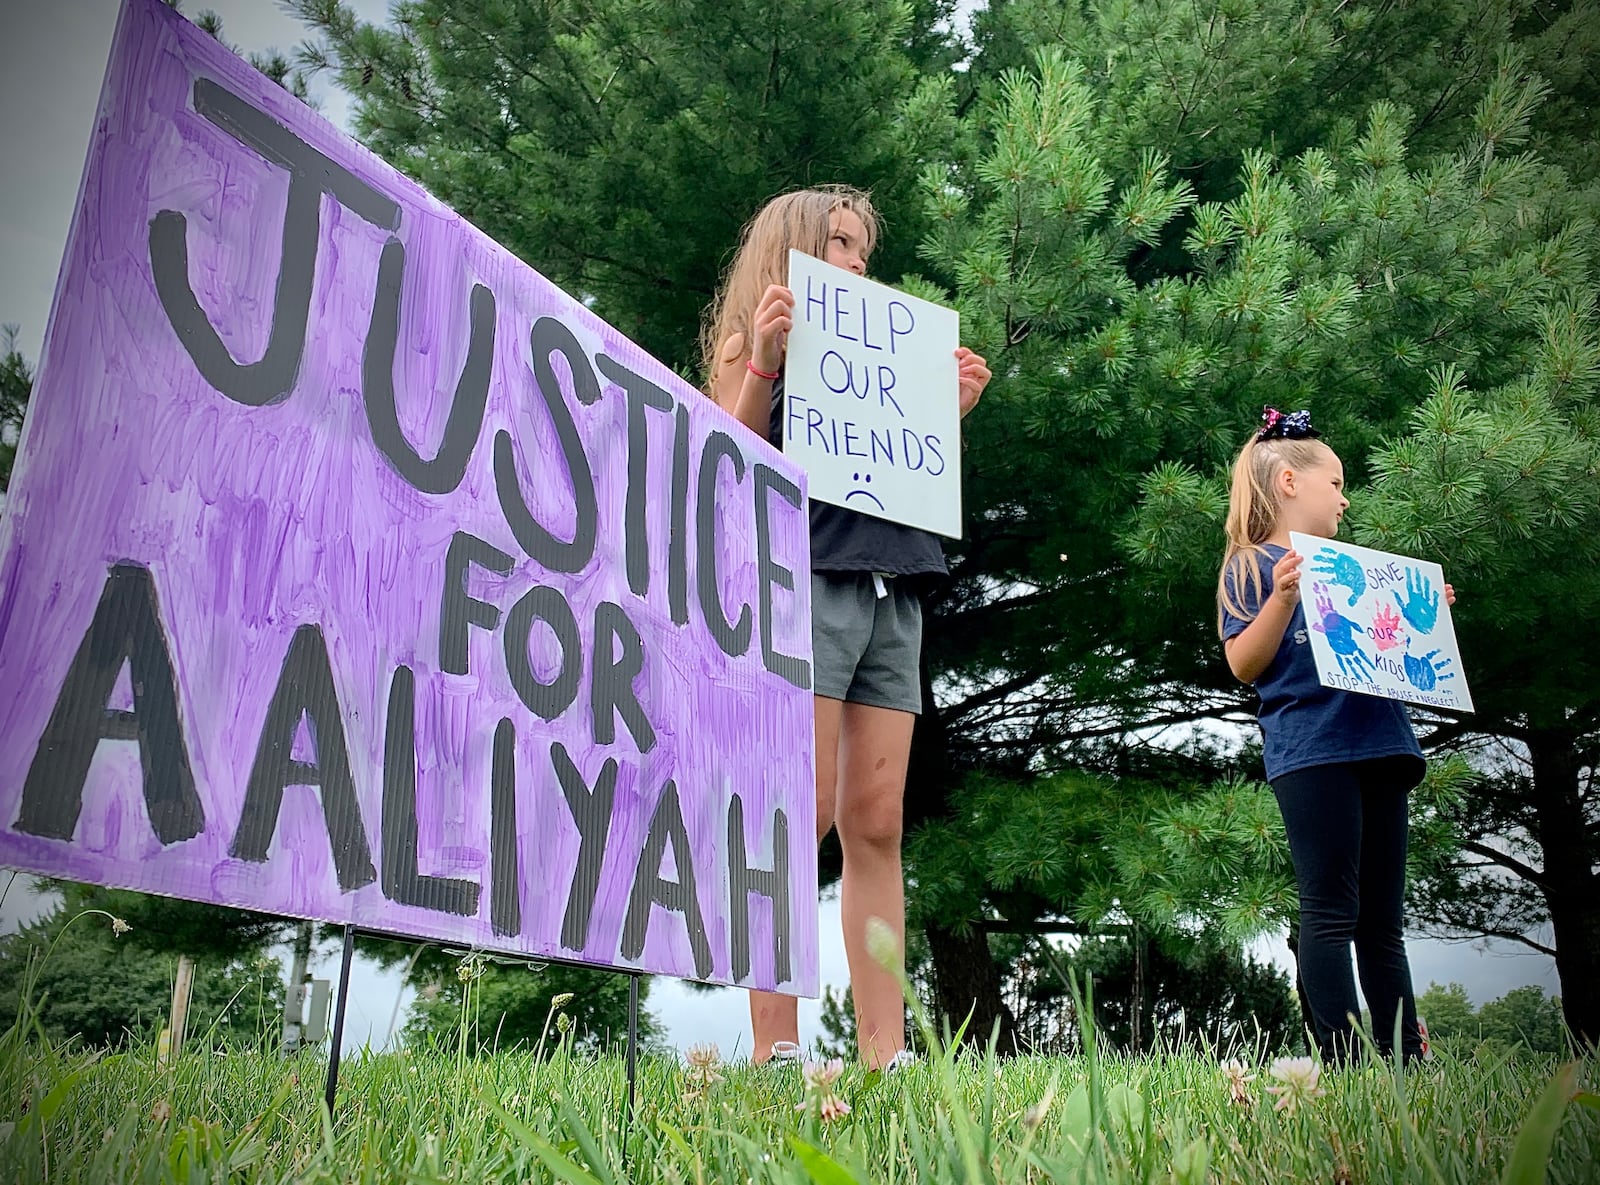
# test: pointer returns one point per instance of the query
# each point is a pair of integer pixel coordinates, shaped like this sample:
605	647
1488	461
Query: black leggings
1347	836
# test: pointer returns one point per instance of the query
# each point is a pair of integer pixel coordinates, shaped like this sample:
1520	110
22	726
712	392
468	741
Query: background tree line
1155	217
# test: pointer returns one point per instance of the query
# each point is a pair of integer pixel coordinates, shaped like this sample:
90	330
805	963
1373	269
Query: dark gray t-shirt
1304	723
843	540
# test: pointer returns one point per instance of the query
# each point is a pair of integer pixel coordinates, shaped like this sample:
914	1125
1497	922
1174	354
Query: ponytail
1253	515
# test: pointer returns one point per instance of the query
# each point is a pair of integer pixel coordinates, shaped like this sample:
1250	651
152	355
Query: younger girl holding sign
865	608
1340	763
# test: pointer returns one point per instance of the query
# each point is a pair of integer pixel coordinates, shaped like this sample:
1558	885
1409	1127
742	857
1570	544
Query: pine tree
1140	305
618	146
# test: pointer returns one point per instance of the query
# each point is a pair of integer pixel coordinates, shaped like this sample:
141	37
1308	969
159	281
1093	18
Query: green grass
430	1116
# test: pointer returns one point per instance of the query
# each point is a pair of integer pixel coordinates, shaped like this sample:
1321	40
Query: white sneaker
900	1061
785	1053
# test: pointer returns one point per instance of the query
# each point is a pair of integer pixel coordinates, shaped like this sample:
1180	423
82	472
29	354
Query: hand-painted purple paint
255	520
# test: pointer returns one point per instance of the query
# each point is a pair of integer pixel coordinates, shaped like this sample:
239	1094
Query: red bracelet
750	365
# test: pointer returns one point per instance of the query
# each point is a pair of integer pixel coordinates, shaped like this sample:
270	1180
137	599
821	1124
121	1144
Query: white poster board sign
871	397
1379	623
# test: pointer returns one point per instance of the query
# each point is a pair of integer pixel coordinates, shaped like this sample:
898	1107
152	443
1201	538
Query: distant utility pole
294	997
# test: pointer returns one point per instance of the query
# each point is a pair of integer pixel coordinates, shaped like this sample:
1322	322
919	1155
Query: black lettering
402	881
458	609
611	679
678	547
642	394
770	883
733	639
311	174
542	603
505	901
591	811
649	888
449	466
550	337
305	690
769	572
125	629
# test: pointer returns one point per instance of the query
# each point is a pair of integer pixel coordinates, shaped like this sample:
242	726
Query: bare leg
874	750
774	1017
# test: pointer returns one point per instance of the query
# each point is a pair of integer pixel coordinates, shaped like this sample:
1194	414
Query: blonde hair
799	220
1253	514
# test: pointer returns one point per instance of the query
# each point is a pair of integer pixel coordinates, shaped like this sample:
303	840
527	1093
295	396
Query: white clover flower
704	1062
832	1107
1238	1081
821	1075
1297	1082
819	1078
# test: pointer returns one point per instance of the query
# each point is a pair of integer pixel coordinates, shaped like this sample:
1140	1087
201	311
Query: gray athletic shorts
864	646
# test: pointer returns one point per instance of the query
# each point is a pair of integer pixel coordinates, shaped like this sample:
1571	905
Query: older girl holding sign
1340	763
865	608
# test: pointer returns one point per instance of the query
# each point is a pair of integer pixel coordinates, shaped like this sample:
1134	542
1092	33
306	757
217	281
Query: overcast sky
51	64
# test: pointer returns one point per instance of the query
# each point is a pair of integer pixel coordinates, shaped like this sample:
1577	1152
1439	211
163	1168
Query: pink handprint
1385	628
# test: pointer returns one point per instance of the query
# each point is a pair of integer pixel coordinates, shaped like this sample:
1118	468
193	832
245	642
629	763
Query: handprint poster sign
1379	624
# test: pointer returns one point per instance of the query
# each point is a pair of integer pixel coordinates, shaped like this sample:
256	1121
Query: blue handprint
1342	634
1423	672
1340	569
1421	606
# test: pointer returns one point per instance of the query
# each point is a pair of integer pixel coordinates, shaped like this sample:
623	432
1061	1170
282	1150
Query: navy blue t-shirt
843	540
1304	723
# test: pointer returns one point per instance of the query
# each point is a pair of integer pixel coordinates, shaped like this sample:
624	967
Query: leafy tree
1448	1012
497	1004
16	385
1153	990
169	925
82	981
1525	1016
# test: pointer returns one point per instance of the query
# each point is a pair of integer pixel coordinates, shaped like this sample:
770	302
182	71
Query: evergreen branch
1048	926
1477	931
1504	860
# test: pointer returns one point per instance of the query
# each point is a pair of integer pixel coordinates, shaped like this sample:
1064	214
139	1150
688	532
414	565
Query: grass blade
1530	1156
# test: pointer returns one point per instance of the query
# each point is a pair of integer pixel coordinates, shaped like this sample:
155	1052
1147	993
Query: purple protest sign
352	571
